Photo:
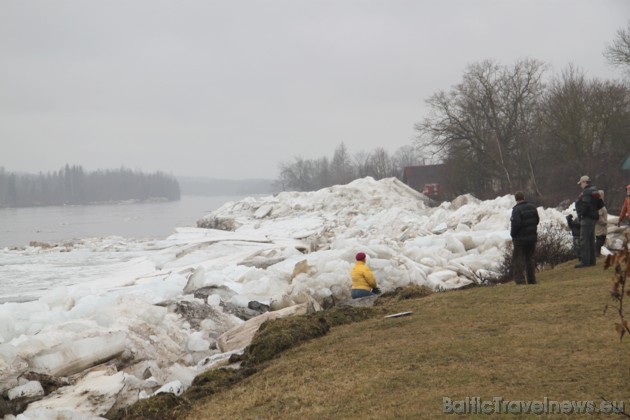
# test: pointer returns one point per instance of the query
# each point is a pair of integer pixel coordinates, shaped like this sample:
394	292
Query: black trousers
587	241
523	263
576	247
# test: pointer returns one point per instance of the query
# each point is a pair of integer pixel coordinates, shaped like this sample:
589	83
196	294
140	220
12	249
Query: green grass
549	340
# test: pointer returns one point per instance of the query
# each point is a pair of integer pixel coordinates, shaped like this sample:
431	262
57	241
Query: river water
19	226
107	242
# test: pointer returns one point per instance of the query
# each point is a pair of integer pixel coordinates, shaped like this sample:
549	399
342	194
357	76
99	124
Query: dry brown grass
519	342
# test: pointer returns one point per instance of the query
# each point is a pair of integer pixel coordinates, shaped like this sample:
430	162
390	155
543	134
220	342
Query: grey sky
231	88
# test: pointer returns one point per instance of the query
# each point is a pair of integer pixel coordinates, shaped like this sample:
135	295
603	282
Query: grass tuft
403	293
163	406
277	335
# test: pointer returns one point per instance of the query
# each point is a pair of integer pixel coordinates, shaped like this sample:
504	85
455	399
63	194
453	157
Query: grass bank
517	342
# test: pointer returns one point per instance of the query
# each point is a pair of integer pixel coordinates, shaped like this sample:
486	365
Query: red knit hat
360	256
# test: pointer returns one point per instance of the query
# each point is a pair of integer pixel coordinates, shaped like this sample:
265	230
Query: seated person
363	280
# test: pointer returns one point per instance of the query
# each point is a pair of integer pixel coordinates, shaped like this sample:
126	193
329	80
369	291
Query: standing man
523	229
587	207
625	210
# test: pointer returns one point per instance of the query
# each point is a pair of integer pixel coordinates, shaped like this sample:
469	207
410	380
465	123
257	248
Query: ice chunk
443	276
69	358
263	211
214	300
59	298
94	395
216	360
8	353
240	300
174	387
196	342
30	389
184	374
440	228
196	280
153	314
455	246
28	346
7	328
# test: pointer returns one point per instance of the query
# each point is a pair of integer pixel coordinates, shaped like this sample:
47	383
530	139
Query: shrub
554	246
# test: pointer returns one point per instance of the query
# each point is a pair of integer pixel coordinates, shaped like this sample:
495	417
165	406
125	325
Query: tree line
313	174
73	185
505	128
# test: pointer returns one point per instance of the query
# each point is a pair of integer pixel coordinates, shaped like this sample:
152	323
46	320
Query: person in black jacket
587	207
524	232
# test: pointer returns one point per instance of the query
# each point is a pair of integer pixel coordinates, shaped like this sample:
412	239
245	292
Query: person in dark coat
524	233
587	207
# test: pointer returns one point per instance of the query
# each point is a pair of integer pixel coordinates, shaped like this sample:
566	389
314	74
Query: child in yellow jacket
363	280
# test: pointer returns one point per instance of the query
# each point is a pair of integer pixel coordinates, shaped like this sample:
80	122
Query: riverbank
552	340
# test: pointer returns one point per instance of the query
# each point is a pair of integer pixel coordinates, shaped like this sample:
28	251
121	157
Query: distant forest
72	185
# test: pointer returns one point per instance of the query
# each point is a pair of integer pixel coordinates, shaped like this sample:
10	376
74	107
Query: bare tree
488	119
341	166
362	163
586	124
322	177
380	164
296	176
618	52
405	156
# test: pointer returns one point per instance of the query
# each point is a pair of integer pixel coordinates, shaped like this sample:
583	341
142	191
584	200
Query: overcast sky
231	88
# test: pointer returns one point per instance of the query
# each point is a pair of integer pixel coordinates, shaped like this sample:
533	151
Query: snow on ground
135	302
